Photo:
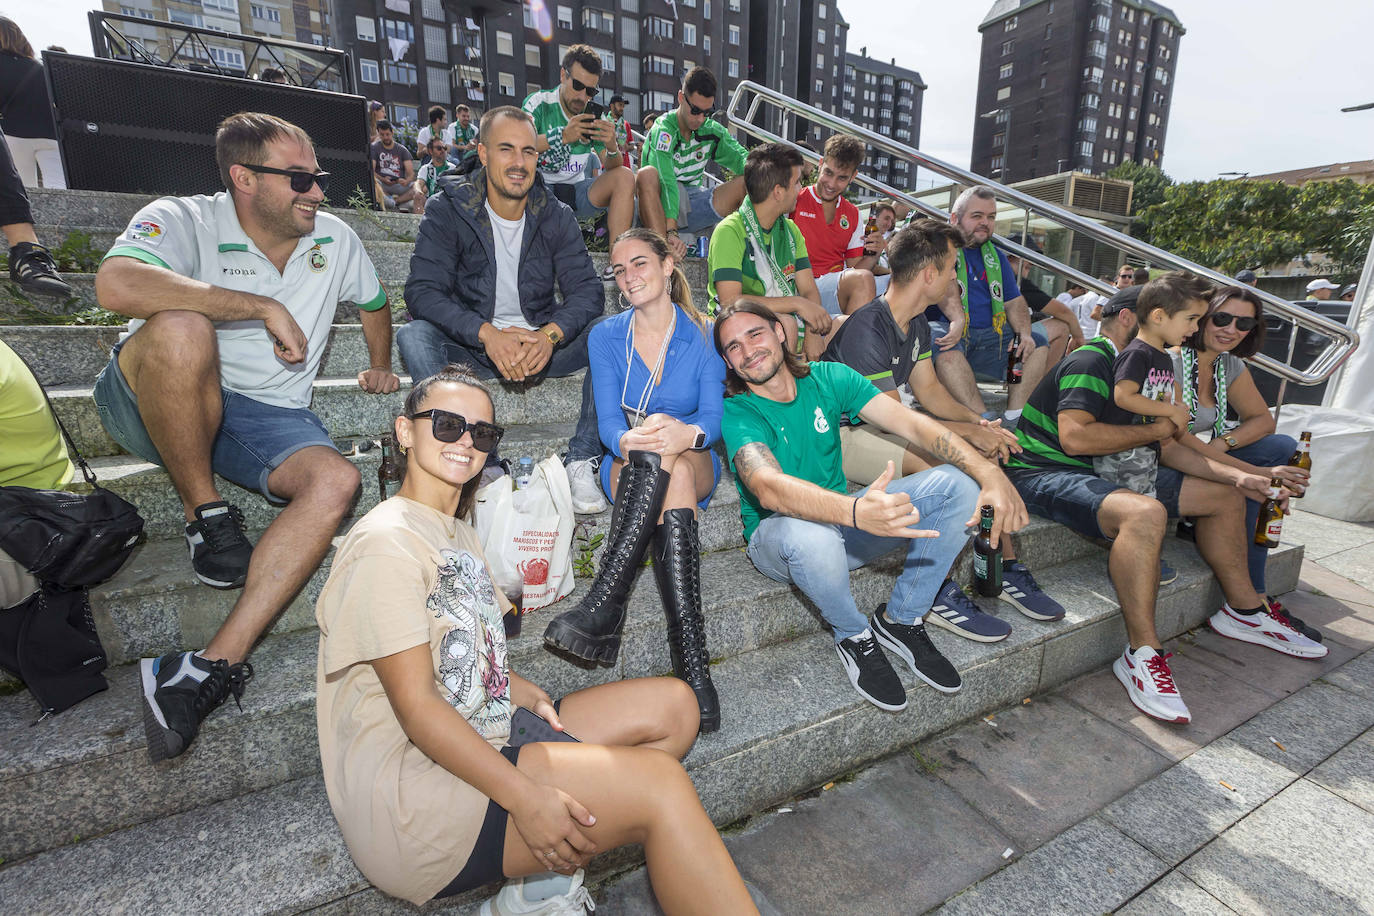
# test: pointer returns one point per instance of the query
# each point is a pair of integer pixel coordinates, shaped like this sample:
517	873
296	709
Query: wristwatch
551	333
1230	441
699	442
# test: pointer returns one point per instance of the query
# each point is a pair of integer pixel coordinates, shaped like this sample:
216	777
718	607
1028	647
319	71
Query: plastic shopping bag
527	534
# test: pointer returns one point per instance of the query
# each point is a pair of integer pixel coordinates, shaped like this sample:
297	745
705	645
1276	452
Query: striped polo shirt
1081	381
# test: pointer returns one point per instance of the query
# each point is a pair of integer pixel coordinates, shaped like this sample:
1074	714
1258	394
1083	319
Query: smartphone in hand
528	728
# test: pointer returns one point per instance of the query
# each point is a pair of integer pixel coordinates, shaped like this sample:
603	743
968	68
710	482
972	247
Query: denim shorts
701	212
1073	498
253	440
985	351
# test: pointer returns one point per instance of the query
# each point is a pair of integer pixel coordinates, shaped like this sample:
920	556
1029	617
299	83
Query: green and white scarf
775	281
993	265
1190	390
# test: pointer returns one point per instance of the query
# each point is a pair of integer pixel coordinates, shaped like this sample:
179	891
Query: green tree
1150	185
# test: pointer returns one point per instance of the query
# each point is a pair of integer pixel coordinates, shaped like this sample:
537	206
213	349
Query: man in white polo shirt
232	298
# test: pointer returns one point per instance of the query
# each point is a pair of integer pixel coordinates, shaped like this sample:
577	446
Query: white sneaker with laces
1150	684
585	483
1267	628
510	901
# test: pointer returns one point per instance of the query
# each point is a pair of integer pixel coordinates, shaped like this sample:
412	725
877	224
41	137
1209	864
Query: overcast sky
1259	85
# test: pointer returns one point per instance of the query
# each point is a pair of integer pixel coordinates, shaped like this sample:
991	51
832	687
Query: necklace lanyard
636	416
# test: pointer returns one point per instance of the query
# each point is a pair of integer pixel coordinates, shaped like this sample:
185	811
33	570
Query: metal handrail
1342	341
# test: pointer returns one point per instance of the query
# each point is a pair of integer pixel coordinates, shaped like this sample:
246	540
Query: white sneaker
1150	684
1265	629
510	901
585	483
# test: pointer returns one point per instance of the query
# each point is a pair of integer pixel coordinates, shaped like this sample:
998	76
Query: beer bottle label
980	565
1274	528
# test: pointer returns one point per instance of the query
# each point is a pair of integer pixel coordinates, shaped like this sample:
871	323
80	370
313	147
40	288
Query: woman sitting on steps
415	702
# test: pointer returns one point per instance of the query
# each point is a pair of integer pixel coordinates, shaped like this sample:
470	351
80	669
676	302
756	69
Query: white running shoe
510	901
585	483
1150	684
1265	629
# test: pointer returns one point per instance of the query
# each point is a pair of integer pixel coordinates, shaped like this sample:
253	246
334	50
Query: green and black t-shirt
1082	381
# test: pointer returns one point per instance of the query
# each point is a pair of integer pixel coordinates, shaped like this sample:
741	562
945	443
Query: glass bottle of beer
1270	522
1302	458
987	560
389	471
1014	361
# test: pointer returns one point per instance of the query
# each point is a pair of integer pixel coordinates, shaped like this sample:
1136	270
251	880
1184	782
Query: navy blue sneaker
1021	591
1167	573
956	612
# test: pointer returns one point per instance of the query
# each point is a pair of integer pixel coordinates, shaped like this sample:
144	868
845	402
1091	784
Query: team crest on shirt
664	143
318	262
701	154
844	222
146	230
822	425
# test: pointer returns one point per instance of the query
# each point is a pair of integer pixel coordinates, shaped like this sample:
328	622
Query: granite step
75	354
791	722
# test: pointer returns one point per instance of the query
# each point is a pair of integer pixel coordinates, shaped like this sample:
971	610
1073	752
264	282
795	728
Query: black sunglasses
449	427
698	111
579	86
300	181
1243	324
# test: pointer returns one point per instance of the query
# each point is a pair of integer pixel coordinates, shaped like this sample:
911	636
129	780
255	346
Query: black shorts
488	853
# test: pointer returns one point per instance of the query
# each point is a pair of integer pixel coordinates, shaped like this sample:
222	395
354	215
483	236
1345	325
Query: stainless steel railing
751	98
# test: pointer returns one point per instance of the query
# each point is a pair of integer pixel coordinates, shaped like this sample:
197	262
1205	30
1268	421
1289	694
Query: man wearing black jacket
491	249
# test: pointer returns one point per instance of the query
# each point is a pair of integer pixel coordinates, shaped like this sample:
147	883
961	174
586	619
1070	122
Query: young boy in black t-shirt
1166	312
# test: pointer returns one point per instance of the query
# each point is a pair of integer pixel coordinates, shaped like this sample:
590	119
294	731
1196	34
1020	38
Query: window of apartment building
820	36
1088	125
598	20
706	45
999	138
820	61
265	13
531	55
366	28
1102	23
395	28
505	83
689	34
1130	136
732	68
1049	31
505	43
1161	76
1005	72
432	9
657	63
436	49
820	86
1007	46
733	37
367	70
1010	24
1003	93
1044	80
1097	49
1091	100
659	27
691	3
1144	19
1140	44
848	105
1128	14
404	114
1134	112
565	19
436	79
629	72
1135	90
1123	37
733	6
996	164
1085	148
607	60
530	21
903	134
402	74
820	10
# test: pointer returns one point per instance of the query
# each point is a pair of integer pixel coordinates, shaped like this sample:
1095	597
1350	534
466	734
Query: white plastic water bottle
524	473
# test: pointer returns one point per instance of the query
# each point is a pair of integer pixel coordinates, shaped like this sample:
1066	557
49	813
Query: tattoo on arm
752	458
949	450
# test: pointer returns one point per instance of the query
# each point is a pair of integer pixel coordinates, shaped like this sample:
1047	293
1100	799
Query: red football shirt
828	244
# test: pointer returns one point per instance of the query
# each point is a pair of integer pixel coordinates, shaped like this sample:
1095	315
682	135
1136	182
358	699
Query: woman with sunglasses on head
415	701
1217	387
659	389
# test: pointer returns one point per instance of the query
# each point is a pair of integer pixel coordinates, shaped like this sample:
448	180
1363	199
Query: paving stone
1356	564
1041	767
1350	772
1345	622
1312	724
852	835
1322	864
1325	536
1356	675
1185	807
1317	578
1262	667
1089	869
1218	703
1175	895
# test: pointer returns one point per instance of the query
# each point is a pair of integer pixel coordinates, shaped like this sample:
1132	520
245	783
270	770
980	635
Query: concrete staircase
87	823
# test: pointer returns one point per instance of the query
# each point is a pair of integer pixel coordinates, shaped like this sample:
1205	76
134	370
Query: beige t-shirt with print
407	575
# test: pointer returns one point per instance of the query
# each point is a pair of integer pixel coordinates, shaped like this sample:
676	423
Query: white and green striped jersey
561	163
682	160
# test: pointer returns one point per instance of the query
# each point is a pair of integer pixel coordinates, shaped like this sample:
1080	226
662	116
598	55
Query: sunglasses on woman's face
300	181
1243	323
449	427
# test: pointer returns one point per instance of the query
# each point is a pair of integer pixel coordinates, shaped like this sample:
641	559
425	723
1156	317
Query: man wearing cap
615	113
1320	290
1348	292
1247	277
1061	430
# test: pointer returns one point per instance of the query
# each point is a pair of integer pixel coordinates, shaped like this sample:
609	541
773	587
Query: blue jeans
818	558
1264	453
425	349
984	349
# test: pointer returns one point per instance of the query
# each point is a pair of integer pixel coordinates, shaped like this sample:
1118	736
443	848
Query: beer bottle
872	225
1302	458
987	560
1270	522
1013	361
389	469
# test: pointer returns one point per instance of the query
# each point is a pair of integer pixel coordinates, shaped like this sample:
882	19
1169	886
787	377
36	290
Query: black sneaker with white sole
179	690
219	550
870	672
912	644
33	268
